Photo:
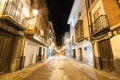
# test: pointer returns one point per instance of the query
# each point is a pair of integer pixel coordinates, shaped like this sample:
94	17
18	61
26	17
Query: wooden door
39	55
6	49
80	54
74	54
106	55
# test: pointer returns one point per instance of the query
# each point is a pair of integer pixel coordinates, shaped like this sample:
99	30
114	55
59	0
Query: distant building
67	44
51	40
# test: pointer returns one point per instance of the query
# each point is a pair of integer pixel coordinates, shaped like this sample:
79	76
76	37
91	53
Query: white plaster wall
45	54
115	43
86	55
77	57
31	48
72	32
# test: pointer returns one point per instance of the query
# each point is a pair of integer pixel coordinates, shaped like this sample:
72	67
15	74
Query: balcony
100	25
35	31
12	15
79	31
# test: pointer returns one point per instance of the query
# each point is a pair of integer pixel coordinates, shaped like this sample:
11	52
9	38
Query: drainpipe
88	18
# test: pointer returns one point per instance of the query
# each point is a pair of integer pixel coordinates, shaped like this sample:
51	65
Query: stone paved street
59	68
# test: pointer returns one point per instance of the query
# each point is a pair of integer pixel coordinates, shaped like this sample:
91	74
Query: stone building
96	23
12	13
23	36
104	22
37	34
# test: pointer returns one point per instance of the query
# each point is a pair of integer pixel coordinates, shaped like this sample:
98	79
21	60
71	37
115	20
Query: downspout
88	18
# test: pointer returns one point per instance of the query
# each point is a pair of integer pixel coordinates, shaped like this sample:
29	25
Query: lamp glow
35	12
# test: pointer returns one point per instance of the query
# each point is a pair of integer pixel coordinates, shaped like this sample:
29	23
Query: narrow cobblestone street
58	68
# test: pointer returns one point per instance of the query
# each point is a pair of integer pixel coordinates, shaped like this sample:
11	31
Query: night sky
59	11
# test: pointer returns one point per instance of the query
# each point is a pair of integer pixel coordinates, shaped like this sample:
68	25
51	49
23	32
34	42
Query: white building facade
79	33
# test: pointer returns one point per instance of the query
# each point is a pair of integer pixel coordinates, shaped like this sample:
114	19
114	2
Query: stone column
17	53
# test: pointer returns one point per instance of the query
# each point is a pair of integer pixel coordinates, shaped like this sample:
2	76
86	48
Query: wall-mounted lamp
35	13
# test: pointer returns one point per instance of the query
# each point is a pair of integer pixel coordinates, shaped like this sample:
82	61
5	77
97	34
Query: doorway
80	54
39	54
74	54
7	41
107	60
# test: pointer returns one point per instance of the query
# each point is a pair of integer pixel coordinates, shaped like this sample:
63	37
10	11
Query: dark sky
59	11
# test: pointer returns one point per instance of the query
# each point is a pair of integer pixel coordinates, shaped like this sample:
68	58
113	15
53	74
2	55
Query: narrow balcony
12	15
100	25
79	31
35	32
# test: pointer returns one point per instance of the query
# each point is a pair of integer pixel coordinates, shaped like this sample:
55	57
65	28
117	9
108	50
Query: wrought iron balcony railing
99	25
13	13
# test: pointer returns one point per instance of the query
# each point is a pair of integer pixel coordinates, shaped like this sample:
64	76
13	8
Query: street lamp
35	13
31	18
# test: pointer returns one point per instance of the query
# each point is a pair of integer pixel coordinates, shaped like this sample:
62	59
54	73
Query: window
18	14
14	10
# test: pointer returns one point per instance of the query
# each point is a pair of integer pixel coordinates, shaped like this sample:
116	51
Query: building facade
37	35
51	40
67	44
23	36
80	37
95	23
12	13
104	23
